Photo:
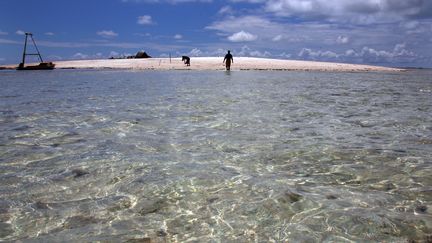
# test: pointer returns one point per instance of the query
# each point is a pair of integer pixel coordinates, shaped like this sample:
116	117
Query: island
215	63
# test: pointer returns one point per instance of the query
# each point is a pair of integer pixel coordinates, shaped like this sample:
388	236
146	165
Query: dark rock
79	172
55	145
389	186
212	199
331	197
150	206
421	209
290	197
142	240
21	128
5	230
161	233
41	205
79	221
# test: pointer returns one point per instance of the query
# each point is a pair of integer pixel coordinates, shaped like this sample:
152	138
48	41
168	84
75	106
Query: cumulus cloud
246	51
226	10
277	38
284	55
360	12
145	20
80	55
107	33
20	32
399	54
267	29
342	39
195	52
3	33
260	54
242	36
114	54
178	37
233	24
49	33
307	53
143	34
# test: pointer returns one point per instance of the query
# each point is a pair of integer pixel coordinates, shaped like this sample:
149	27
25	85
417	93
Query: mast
25	47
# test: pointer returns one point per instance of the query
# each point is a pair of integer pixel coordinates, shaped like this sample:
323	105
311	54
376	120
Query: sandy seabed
216	63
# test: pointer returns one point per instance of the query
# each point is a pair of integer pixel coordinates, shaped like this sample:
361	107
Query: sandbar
215	63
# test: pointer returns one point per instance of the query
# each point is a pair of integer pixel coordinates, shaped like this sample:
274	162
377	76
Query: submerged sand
215	63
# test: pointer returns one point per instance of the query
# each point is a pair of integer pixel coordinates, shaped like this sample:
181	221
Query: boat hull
41	66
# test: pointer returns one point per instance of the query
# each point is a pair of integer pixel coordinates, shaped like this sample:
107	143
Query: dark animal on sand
186	60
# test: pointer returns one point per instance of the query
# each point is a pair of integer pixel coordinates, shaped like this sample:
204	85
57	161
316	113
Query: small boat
42	65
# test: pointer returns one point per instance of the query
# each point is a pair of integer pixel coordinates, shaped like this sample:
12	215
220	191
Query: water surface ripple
215	157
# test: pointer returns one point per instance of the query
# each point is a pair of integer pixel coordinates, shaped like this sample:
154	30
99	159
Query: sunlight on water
215	156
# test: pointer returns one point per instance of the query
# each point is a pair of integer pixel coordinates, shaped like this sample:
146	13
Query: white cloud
233	24
80	55
342	39
3	33
49	33
242	36
107	33
246	51
143	34
284	55
114	54
145	20
307	53
195	52
410	24
178	37
342	11
20	32
399	54
6	41
257	53
277	38
226	10
97	55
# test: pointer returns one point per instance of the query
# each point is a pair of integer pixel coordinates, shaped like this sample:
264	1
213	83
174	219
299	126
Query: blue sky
383	32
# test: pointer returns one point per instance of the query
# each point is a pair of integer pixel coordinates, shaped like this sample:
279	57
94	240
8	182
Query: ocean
215	156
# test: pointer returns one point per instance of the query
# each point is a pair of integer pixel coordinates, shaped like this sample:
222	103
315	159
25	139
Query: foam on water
215	156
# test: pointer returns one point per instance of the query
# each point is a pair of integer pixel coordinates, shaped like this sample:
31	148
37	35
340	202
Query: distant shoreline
215	63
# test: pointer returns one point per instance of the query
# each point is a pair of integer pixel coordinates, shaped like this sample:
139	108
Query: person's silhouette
228	60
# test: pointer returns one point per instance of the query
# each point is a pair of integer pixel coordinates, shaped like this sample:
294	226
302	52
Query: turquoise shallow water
215	156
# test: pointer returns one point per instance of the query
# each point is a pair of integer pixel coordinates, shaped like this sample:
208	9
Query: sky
395	33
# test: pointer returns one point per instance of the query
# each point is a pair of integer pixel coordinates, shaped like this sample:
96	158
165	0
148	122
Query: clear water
215	156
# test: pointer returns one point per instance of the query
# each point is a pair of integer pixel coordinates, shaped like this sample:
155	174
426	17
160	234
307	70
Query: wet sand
215	63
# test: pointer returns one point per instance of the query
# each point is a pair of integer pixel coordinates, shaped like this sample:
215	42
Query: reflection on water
206	156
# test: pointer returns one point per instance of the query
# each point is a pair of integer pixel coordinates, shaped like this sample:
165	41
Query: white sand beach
215	63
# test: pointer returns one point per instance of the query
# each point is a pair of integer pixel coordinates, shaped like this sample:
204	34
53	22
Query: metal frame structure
27	34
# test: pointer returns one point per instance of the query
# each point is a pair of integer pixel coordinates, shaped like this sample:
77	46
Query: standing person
228	60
